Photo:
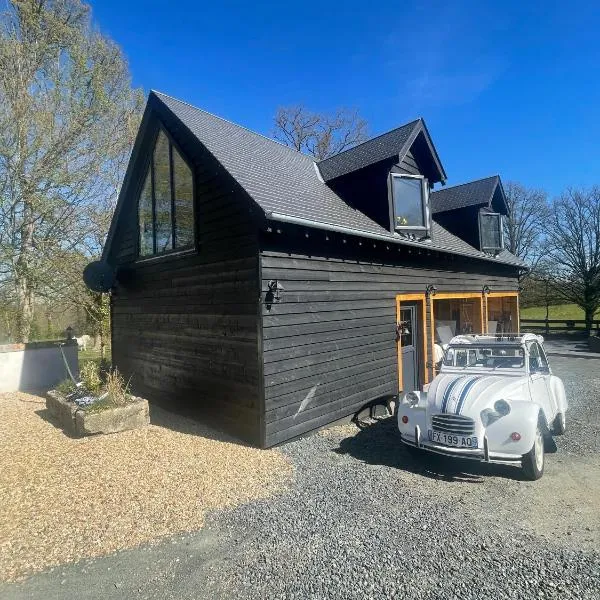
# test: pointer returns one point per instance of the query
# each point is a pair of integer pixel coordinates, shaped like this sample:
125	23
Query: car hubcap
539	450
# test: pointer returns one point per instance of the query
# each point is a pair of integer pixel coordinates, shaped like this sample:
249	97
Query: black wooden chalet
273	294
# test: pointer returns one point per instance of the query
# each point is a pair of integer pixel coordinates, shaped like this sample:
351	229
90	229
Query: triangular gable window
166	202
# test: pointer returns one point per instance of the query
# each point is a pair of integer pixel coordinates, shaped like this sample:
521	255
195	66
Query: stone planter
80	422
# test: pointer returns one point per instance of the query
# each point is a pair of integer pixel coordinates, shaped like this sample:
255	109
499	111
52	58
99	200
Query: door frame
503	295
416	297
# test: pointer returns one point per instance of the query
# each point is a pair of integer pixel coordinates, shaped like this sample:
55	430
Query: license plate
450	439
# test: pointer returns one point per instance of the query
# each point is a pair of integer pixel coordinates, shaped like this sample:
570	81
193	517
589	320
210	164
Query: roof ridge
452	187
308	157
419	119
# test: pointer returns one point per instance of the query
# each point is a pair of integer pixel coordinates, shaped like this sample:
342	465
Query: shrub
90	376
65	387
118	390
99	405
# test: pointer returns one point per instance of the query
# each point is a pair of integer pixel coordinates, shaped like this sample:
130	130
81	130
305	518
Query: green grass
91	355
559	311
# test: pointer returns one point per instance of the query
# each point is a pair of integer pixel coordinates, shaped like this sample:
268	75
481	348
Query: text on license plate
450	439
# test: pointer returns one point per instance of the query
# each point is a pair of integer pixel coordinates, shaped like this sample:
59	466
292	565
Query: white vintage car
494	400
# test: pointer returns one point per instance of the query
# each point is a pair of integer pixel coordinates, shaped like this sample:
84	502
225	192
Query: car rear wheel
533	461
560	425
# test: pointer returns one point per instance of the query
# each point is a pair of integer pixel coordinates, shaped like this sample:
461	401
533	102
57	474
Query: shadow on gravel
185	418
181	419
46	415
379	444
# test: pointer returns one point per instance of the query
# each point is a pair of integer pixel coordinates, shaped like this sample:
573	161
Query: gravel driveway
64	499
365	520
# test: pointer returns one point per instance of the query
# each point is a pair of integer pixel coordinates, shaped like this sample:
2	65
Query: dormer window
165	205
410	203
490	231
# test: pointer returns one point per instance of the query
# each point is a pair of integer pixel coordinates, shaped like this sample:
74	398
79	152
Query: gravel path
63	499
365	520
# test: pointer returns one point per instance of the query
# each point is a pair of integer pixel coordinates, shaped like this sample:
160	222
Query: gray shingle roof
287	186
369	152
278	178
393	143
474	193
448	241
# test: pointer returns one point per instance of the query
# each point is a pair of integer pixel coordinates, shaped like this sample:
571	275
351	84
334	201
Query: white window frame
491	214
424	205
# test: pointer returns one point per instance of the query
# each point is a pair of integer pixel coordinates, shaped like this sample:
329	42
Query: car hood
469	394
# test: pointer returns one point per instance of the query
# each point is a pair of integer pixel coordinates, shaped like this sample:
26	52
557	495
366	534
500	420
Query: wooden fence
556	325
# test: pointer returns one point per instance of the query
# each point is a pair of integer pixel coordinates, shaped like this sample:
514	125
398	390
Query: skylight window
490	230
409	195
165	205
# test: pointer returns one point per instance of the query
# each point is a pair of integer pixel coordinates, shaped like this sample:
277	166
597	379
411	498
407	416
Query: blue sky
507	87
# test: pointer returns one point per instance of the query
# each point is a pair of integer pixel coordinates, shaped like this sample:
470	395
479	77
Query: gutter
337	228
393	238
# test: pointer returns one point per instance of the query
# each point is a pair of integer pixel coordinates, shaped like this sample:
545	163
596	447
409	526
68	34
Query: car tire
559	426
533	461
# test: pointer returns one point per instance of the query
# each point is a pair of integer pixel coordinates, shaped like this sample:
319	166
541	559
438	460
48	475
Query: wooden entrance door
408	331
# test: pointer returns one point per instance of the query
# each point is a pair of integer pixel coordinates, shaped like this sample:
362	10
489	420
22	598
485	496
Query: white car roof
504	338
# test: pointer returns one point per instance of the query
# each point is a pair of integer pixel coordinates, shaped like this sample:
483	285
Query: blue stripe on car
456	395
448	391
465	393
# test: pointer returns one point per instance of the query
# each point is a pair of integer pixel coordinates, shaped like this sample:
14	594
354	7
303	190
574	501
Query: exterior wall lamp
274	289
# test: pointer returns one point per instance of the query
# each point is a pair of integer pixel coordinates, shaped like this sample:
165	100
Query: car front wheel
533	461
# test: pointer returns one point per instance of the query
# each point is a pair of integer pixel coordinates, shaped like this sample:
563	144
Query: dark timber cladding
329	345
185	325
203	326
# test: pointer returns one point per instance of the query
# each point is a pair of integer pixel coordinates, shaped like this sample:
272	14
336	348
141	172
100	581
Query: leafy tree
574	248
68	116
318	134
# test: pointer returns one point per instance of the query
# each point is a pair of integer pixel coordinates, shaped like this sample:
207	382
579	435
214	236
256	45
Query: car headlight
411	399
489	415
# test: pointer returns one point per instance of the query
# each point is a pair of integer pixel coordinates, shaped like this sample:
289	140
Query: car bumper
481	455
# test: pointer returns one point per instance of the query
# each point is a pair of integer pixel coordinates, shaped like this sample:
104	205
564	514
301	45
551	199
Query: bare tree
574	248
320	135
524	227
67	120
541	288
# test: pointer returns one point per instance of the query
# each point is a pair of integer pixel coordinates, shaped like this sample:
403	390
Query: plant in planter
90	376
97	404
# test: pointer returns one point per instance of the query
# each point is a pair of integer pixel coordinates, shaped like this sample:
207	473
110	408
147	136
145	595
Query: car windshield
485	357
